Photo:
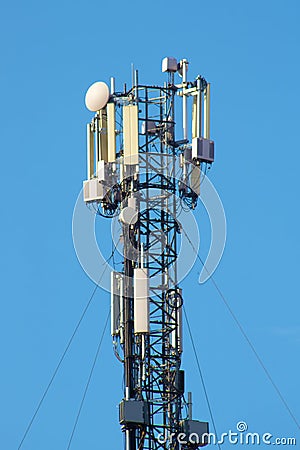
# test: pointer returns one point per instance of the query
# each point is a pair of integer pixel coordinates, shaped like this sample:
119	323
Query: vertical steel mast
139	171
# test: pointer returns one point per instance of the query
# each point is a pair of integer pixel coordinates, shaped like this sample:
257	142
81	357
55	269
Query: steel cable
245	336
65	351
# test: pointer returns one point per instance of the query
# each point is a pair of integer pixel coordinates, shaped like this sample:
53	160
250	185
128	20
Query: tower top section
136	120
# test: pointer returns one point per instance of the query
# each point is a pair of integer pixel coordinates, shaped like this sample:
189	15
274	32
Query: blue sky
50	54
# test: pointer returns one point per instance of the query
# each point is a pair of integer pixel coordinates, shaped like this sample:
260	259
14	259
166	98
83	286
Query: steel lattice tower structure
139	171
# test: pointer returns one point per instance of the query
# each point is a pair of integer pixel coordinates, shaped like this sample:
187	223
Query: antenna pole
184	98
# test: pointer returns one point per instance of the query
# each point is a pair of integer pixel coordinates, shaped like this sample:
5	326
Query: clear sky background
50	53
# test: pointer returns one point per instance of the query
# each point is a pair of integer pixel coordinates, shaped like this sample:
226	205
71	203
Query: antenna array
138	169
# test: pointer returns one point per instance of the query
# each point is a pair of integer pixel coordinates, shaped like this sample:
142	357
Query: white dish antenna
128	215
183	65
97	96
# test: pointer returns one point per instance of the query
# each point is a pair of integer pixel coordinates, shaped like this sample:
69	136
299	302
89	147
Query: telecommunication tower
144	167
